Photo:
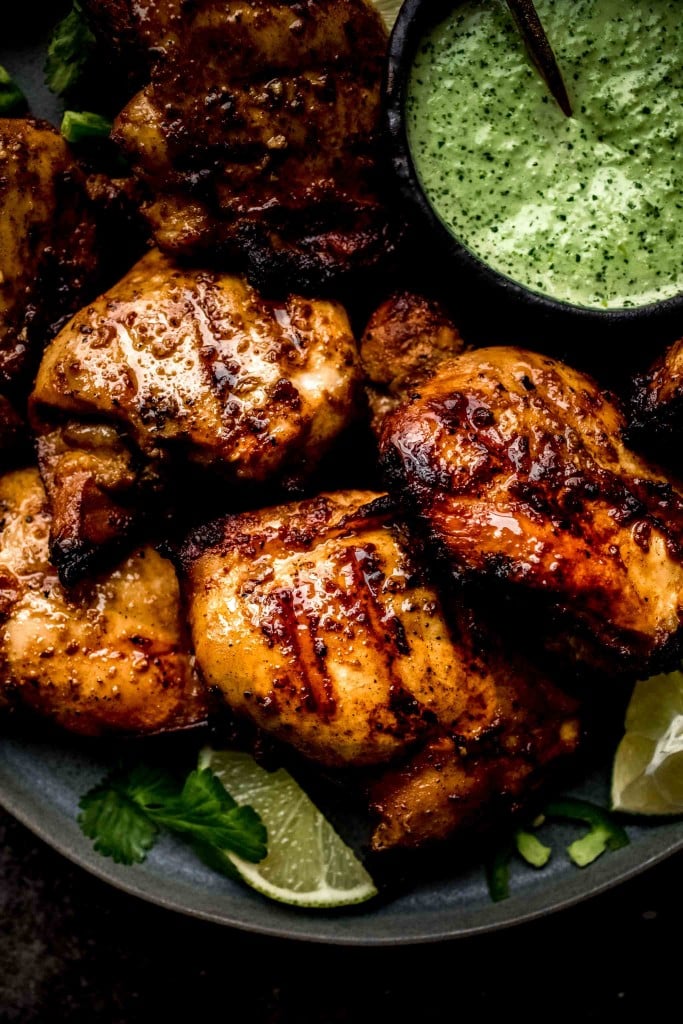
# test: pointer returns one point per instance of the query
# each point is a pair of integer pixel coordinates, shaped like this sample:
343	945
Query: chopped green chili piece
498	873
604	832
83	126
531	848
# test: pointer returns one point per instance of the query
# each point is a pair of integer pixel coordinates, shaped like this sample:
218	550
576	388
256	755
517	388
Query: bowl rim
414	19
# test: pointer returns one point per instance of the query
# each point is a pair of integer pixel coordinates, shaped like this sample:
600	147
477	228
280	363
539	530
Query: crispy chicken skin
316	622
47	242
257	136
448	786
514	466
404	342
656	407
111	656
173	368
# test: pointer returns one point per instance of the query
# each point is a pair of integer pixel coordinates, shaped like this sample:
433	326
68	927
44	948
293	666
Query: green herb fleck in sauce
588	209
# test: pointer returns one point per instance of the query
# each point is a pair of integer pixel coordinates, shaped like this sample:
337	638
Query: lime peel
323	896
308	864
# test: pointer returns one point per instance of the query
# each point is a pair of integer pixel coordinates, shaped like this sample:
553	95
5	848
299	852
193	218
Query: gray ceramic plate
41	781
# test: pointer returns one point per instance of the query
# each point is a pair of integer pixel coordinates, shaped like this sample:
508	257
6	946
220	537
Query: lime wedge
389	10
648	768
308	864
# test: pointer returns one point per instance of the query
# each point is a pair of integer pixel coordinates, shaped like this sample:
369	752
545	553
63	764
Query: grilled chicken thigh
656	407
404	342
112	655
175	368
514	465
256	136
47	242
316	622
449	786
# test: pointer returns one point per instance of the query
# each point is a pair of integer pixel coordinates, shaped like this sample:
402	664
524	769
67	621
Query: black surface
73	949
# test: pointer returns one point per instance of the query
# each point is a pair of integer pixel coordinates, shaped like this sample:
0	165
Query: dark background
74	949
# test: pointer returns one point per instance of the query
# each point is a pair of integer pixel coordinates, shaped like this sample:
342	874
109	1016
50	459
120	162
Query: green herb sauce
588	209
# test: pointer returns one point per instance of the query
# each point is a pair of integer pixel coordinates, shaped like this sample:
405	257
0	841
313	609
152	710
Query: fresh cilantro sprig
124	814
69	53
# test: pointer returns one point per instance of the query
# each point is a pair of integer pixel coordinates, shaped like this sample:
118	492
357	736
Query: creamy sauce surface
587	209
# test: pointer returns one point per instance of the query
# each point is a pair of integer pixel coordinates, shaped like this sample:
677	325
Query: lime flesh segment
308	864
389	10
648	768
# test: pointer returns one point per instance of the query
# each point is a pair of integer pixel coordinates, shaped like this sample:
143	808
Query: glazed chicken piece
47	242
656	407
404	342
257	136
317	623
515	468
112	655
173	369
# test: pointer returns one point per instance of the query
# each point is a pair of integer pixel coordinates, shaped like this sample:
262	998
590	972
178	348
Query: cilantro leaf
123	815
69	51
206	811
215	859
121	830
12	99
202	786
147	786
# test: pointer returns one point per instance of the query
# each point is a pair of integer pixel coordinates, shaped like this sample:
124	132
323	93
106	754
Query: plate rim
570	894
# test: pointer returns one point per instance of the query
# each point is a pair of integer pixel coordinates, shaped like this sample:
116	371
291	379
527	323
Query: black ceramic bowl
498	308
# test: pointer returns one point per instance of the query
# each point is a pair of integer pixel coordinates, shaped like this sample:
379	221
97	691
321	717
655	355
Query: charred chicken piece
404	342
656	407
317	623
256	136
47	243
112	655
449	787
173	369
515	467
